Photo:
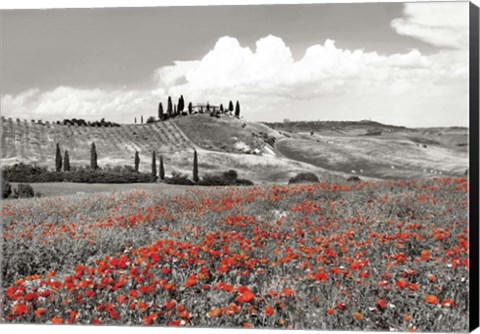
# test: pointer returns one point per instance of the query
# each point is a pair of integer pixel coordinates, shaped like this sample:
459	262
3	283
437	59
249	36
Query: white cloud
90	104
440	24
327	83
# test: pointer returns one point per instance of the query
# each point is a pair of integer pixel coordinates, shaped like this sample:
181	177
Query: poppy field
374	255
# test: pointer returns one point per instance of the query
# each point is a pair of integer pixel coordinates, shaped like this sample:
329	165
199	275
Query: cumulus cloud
90	104
441	24
326	83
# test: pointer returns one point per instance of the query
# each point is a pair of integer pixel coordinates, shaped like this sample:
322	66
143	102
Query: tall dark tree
93	157
208	107
135	120
66	162
190	108
137	161
161	171
181	104
58	159
230	106
154	165
169	107
237	110
175	110
195	167
141	119
221	108
160	111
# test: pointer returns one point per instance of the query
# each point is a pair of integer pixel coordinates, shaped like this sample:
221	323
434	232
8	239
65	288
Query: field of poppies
376	255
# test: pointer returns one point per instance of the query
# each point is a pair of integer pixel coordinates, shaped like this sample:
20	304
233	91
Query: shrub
303	178
230	174
179	179
228	178
23	191
6	188
27	173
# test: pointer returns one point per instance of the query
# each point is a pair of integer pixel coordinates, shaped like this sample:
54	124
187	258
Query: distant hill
262	152
302	126
222	144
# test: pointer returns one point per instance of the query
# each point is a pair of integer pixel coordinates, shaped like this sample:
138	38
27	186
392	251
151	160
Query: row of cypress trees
161	169
66	159
94	163
174	110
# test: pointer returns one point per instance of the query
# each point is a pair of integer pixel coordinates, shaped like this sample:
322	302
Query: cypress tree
190	108
161	171
230	106
175	110
221	108
141	119
181	104
93	157
135	120
160	111
195	166
169	107
58	159
66	162
137	161
208	107
237	110
154	165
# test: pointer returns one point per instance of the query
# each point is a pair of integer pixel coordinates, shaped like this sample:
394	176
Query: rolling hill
264	153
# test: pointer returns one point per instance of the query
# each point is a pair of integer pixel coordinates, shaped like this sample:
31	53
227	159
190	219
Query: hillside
331	150
28	142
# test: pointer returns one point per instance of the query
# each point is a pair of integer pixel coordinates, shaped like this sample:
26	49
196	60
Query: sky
396	63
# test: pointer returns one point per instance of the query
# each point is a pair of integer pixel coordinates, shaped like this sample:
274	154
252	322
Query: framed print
309	166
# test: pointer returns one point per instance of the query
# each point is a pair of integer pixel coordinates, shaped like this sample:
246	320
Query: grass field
377	255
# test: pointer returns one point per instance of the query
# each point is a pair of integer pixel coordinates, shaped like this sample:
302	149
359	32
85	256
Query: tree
66	162
141	119
93	157
154	165
230	106
169	107
137	161
160	111
151	119
221	108
175	111
181	104
237	110
58	159
195	166
208	107
161	171
135	120
190	108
